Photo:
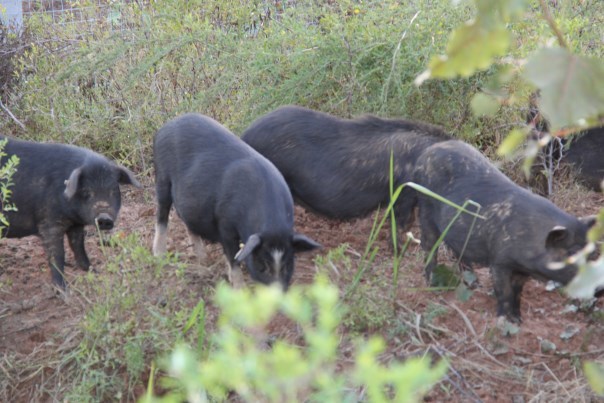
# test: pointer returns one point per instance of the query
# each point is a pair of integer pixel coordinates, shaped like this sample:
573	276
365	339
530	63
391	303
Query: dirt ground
485	366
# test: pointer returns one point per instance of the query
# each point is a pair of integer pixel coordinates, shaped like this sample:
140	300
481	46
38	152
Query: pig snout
104	221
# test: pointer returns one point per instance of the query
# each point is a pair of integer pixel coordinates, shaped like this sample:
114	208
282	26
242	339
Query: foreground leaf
511	142
588	281
484	105
471	48
594	373
570	85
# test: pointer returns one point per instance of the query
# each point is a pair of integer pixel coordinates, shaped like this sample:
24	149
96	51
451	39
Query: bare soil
485	365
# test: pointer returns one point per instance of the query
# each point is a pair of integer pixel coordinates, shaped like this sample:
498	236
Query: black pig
340	167
581	151
521	235
584	154
225	192
58	189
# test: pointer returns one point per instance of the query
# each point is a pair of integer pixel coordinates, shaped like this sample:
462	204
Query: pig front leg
52	239
75	235
236	275
508	290
234	270
518	281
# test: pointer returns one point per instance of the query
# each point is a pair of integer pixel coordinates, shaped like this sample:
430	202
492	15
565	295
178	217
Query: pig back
39	183
516	222
339	167
215	176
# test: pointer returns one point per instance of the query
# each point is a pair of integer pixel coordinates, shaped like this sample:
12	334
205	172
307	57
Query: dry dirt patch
485	366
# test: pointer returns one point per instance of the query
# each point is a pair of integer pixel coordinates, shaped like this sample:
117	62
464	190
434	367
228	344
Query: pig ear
71	184
127	177
252	243
589	220
302	243
556	237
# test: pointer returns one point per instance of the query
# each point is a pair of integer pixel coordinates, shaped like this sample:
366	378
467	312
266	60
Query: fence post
11	14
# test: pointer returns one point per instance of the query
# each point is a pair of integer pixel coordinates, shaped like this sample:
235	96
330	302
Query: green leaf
463	293
504	10
444	276
429	193
484	105
570	85
511	142
588	280
197	313
594	373
471	48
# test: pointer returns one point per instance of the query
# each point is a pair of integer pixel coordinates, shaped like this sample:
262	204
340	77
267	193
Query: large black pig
225	192
58	189
521	235
340	167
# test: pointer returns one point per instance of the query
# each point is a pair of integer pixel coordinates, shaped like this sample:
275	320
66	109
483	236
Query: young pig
225	192
58	189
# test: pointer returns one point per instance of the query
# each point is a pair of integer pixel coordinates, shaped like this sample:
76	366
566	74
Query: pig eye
85	194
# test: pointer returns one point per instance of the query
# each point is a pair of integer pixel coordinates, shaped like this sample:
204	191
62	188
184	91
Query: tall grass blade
198	318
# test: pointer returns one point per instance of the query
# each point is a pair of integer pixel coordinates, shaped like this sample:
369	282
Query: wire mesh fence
15	12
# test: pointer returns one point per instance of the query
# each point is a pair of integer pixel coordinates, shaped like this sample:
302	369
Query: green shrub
8	166
242	363
111	90
133	314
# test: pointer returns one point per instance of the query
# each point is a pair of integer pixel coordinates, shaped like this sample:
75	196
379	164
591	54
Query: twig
465	318
468	391
6	373
552	24
418	319
557	380
412	312
495	360
12	116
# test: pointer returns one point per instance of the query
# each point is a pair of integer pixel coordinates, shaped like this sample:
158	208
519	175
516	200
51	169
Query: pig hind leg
404	209
75	235
52	239
198	246
164	204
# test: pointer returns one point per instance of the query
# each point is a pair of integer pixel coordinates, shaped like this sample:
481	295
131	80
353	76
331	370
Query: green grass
131	313
111	91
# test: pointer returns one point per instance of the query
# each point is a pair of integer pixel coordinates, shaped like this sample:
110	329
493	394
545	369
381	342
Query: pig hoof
507	326
61	292
236	279
470	279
